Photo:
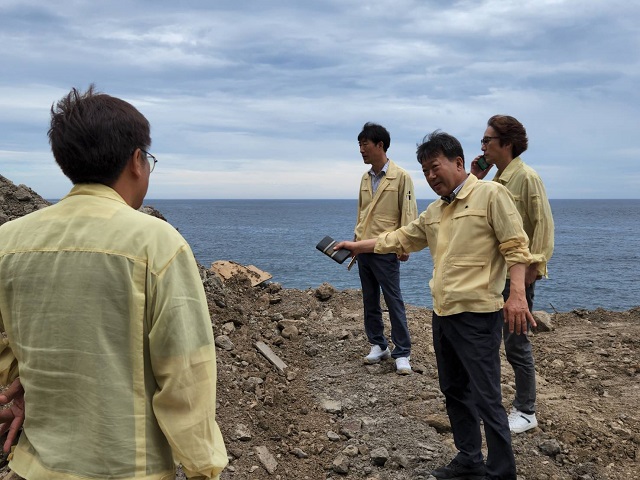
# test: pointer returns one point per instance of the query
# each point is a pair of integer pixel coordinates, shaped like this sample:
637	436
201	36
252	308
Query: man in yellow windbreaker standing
504	140
386	202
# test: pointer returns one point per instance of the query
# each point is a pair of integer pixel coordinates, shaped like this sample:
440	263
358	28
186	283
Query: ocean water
595	263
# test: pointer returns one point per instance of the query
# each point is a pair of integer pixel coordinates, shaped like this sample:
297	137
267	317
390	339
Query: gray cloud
241	91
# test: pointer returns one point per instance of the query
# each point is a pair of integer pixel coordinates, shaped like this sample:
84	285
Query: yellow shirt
473	241
392	206
106	314
531	201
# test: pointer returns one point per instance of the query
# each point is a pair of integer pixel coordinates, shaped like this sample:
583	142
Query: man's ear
136	163
460	163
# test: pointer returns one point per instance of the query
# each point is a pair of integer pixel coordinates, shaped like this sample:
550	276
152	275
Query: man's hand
12	416
403	257
517	314
477	171
516	309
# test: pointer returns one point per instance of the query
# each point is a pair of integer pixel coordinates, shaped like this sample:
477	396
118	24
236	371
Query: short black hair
375	133
438	142
93	135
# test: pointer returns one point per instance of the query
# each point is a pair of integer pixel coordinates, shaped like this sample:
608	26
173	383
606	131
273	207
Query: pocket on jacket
382	223
467	276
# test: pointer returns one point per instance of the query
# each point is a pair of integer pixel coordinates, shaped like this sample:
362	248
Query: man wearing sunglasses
105	312
505	139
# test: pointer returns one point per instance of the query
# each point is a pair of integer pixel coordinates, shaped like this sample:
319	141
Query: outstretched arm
362	246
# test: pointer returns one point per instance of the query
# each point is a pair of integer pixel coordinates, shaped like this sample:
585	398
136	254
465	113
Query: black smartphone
482	163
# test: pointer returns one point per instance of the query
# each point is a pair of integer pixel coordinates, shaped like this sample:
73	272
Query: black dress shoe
456	471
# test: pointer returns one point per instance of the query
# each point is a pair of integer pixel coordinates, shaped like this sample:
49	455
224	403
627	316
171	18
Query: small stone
439	422
268	461
298	452
379	456
290	332
549	447
341	464
543	319
242	433
228	328
224	342
22	194
332	406
350	451
324	292
400	460
327	316
351	427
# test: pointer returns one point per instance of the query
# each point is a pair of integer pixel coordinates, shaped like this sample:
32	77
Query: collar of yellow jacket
508	172
95	190
392	170
469	183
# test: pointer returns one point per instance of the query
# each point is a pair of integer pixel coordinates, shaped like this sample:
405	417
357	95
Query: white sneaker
521	422
376	354
402	366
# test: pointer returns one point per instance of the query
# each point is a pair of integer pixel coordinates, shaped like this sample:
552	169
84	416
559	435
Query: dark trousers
520	355
382	272
467	347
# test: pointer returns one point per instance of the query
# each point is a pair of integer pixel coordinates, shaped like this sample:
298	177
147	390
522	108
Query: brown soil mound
316	411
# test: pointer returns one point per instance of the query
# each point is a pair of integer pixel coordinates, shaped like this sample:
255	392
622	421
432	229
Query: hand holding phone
482	163
480	167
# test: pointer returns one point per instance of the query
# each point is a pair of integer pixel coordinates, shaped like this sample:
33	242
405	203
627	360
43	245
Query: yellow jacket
531	201
105	311
393	205
473	241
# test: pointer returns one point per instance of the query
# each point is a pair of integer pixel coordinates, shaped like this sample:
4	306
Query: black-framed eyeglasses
152	160
486	140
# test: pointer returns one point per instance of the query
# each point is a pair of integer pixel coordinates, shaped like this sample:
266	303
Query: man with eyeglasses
505	139
105	315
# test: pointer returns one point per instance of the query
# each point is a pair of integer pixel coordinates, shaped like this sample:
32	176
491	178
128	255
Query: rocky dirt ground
327	415
320	413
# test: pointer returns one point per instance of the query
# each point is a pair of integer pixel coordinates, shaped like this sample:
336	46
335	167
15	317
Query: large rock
18	200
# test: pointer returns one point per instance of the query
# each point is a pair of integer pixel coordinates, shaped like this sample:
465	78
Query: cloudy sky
264	99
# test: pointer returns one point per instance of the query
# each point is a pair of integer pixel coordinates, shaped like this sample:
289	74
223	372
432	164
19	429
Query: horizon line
333	199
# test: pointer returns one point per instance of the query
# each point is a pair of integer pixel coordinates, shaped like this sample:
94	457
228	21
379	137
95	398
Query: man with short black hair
105	311
474	234
386	202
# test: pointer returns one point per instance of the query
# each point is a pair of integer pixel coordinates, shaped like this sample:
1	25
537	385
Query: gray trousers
520	356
